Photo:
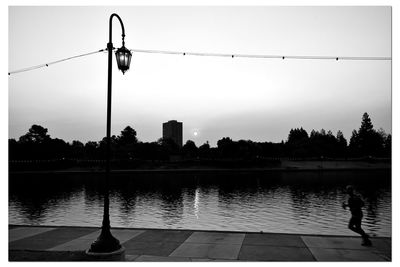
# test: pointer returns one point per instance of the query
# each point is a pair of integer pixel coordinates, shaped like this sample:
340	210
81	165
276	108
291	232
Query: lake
306	202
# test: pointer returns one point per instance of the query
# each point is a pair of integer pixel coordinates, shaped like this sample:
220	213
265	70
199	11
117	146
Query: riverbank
285	166
270	164
52	243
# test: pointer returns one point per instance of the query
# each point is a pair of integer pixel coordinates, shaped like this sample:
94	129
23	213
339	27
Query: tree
366	124
204	150
297	136
35	144
354	140
126	143
367	141
247	149
297	143
387	142
36	134
13	149
340	139
168	146
313	133
341	142
323	143
91	148
77	149
388	146
190	149
103	146
371	142
226	147
127	137
57	149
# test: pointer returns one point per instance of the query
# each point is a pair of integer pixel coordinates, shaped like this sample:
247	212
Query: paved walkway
187	245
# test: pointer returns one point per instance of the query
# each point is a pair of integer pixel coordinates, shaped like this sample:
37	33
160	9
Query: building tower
173	130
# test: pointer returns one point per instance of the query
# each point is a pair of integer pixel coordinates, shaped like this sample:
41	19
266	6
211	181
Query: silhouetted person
355	204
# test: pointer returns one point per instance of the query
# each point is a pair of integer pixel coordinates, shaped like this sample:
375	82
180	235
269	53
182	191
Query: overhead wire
257	55
54	62
205	54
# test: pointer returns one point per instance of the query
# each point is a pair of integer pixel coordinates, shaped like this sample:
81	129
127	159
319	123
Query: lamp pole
106	242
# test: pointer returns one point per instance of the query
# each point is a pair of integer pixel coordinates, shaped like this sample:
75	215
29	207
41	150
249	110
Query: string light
283	57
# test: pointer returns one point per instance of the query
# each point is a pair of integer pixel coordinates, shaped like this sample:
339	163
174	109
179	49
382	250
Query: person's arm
344	205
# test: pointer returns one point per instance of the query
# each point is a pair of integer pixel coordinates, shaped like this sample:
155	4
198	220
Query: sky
251	99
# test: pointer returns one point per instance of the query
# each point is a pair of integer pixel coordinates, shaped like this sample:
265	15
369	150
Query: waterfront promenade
49	243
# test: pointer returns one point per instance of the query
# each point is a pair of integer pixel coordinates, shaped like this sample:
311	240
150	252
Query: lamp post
106	243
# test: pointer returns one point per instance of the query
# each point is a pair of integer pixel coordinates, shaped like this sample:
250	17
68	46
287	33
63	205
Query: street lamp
106	243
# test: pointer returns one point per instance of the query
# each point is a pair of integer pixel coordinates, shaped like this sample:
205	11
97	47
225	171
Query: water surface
283	202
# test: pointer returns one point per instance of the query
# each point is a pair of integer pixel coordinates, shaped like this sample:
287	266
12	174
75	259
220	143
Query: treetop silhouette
37	144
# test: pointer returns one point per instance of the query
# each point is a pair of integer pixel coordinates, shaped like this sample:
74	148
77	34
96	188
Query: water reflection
35	197
196	203
171	204
301	204
296	202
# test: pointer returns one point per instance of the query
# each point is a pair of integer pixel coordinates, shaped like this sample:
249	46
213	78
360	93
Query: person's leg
352	224
355	226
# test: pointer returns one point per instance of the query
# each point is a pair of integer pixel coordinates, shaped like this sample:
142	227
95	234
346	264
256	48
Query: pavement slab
160	259
49	239
18	233
84	242
381	244
29	255
274	253
211	250
81	243
216	238
150	248
334	242
381	247
280	240
388	241
131	257
163	236
124	235
329	254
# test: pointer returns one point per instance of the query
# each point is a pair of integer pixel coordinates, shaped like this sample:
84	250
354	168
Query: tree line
364	142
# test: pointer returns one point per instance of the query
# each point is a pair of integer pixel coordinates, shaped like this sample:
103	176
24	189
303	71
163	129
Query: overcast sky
256	99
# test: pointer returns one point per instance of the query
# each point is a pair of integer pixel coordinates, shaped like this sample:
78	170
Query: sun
195	132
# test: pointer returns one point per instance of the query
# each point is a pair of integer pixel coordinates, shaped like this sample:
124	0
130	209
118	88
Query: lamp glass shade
123	56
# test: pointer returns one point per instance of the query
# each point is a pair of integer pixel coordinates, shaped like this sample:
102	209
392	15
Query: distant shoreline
199	170
284	166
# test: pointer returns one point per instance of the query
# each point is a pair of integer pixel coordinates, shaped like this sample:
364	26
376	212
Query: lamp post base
105	243
118	255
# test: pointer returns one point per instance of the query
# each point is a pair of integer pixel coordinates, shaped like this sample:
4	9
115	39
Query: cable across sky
206	54
54	62
257	55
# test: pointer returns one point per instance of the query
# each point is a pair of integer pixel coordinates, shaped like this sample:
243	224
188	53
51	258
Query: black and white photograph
199	133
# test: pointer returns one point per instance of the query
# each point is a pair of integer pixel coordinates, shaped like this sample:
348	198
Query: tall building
173	130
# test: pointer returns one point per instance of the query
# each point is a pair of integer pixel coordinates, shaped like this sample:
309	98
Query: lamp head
123	56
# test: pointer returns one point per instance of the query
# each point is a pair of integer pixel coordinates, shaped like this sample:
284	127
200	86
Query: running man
355	204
